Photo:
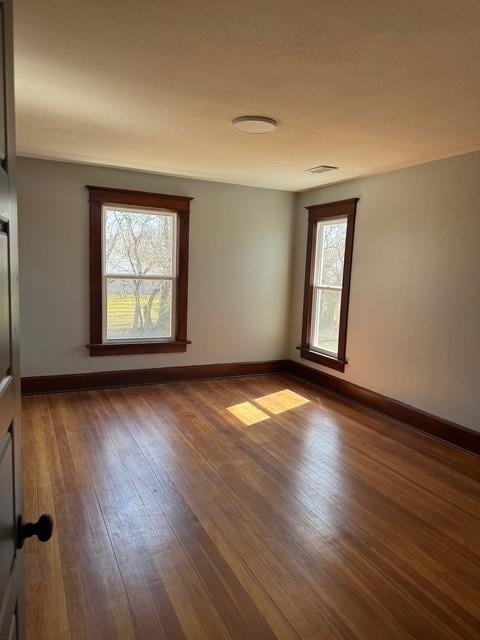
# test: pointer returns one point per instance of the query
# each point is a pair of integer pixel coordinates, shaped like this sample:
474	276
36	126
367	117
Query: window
327	282
138	272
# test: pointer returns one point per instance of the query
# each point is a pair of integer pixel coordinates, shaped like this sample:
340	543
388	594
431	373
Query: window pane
326	320
138	243
330	253
138	309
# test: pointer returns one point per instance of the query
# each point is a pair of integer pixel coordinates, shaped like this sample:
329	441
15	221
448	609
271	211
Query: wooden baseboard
426	422
133	377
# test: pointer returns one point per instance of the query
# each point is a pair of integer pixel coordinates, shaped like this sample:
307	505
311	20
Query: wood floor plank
177	519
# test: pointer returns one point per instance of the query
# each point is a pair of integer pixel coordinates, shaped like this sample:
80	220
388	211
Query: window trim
319	213
98	198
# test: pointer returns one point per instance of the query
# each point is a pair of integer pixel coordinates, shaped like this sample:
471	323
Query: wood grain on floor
245	508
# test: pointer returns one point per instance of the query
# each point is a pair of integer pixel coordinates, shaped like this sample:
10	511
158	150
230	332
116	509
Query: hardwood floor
175	519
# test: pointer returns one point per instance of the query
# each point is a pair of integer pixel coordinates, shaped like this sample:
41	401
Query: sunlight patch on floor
248	413
281	401
273	403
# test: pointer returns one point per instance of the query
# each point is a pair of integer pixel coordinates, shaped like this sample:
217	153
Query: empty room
240	320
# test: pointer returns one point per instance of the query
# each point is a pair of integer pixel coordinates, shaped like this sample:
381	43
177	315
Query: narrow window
327	282
139	269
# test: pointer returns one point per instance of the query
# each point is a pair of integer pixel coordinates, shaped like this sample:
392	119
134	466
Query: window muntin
139	273
327	285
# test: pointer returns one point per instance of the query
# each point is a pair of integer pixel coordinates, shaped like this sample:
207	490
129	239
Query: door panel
5	308
13	629
2	90
7	513
7	405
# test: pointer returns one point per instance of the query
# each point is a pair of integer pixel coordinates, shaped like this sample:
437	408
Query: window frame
99	198
345	209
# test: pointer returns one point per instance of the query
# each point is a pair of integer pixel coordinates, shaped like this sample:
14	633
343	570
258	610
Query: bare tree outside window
139	273
329	260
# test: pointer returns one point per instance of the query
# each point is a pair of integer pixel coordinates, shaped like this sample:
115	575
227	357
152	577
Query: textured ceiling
153	85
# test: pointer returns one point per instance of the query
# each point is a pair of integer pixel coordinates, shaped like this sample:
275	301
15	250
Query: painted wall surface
414	321
240	241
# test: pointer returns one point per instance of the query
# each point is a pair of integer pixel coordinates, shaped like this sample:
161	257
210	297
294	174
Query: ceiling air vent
322	168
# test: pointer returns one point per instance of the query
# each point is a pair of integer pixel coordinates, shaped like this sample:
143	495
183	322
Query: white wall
240	240
414	322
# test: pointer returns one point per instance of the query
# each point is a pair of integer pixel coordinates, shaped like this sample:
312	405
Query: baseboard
426	422
133	377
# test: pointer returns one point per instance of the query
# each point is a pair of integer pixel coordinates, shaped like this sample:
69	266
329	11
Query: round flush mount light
255	124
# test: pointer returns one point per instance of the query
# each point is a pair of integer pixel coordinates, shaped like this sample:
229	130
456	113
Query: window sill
131	348
322	358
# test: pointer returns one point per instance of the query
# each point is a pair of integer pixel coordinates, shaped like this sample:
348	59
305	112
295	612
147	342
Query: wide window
139	263
327	282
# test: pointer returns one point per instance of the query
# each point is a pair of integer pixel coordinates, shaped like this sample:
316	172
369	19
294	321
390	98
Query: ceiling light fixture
255	124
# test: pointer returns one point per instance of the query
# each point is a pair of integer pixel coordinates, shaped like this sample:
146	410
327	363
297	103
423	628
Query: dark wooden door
12	530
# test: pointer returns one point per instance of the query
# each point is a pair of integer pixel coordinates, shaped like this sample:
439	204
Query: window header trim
338	209
146	199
